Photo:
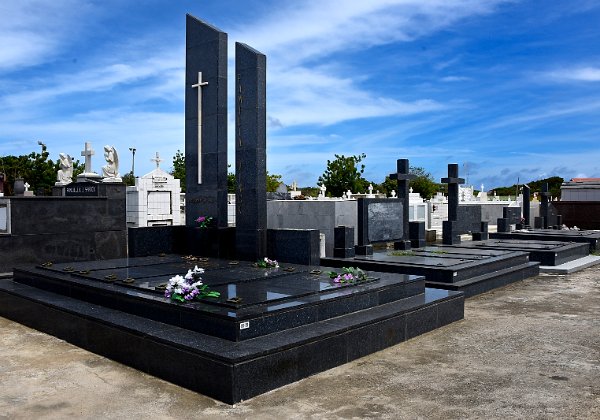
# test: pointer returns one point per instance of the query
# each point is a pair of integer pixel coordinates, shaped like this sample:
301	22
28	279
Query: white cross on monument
27	186
88	152
199	86
157	160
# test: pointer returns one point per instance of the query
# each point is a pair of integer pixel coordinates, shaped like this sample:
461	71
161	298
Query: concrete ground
529	350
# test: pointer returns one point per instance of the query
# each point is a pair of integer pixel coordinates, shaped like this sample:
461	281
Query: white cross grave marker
157	160
88	153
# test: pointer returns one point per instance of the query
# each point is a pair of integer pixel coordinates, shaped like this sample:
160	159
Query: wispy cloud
33	31
308	31
577	74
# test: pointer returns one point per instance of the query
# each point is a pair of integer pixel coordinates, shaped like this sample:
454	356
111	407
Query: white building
154	200
580	189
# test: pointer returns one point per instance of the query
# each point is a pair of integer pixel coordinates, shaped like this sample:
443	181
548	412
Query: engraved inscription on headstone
79	189
384	221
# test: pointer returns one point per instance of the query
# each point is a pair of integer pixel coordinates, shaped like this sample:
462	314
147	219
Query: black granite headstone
19	187
2	183
343	242
450	227
527	205
250	152
544	205
513	214
205	160
417	234
403	177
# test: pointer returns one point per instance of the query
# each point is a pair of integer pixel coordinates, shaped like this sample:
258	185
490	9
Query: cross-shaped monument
157	160
449	227
403	178
199	85
544	205
87	152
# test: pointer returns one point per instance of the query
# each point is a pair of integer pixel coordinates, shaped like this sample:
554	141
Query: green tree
129	179
273	182
231	183
422	184
344	173
35	168
178	169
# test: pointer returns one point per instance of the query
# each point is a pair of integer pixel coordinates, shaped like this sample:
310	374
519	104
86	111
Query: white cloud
32	31
577	74
300	33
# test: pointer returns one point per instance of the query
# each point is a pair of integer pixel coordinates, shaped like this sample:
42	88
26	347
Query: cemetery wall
323	215
61	229
583	214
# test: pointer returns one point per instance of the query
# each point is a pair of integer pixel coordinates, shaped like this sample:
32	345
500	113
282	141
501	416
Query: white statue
393	193
323	188
348	194
110	171
370	195
64	175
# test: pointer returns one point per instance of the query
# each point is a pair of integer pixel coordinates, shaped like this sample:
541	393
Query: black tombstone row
403	178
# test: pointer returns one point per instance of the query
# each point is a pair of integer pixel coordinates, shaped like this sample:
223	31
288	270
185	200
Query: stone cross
403	178
199	85
370	190
453	182
88	152
26	185
349	194
157	160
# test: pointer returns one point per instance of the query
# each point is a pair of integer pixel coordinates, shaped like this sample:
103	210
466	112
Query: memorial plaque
379	220
81	189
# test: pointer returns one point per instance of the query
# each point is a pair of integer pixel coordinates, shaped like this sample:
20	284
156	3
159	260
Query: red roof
585	180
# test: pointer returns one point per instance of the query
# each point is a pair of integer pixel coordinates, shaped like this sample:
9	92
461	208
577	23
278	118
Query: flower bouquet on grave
189	287
349	275
266	263
204	221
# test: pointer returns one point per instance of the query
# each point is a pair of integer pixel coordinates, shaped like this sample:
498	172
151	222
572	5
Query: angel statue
64	175
110	171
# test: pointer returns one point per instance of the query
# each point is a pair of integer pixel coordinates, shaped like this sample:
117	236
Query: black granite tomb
545	252
269	327
470	270
591	237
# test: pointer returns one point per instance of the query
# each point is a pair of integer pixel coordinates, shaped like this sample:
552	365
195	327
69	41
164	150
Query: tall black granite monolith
205	160
527	205
403	177
450	235
250	152
544	205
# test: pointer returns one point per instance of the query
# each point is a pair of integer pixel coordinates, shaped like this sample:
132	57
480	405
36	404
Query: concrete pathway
529	350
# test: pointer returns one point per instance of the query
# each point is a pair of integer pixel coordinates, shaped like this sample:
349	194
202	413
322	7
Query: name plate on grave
384	221
81	189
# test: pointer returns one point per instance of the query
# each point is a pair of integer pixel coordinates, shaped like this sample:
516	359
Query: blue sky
507	89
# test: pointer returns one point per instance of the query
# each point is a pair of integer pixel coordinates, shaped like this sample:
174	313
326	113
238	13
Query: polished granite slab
253	301
296	322
545	252
451	267
591	237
